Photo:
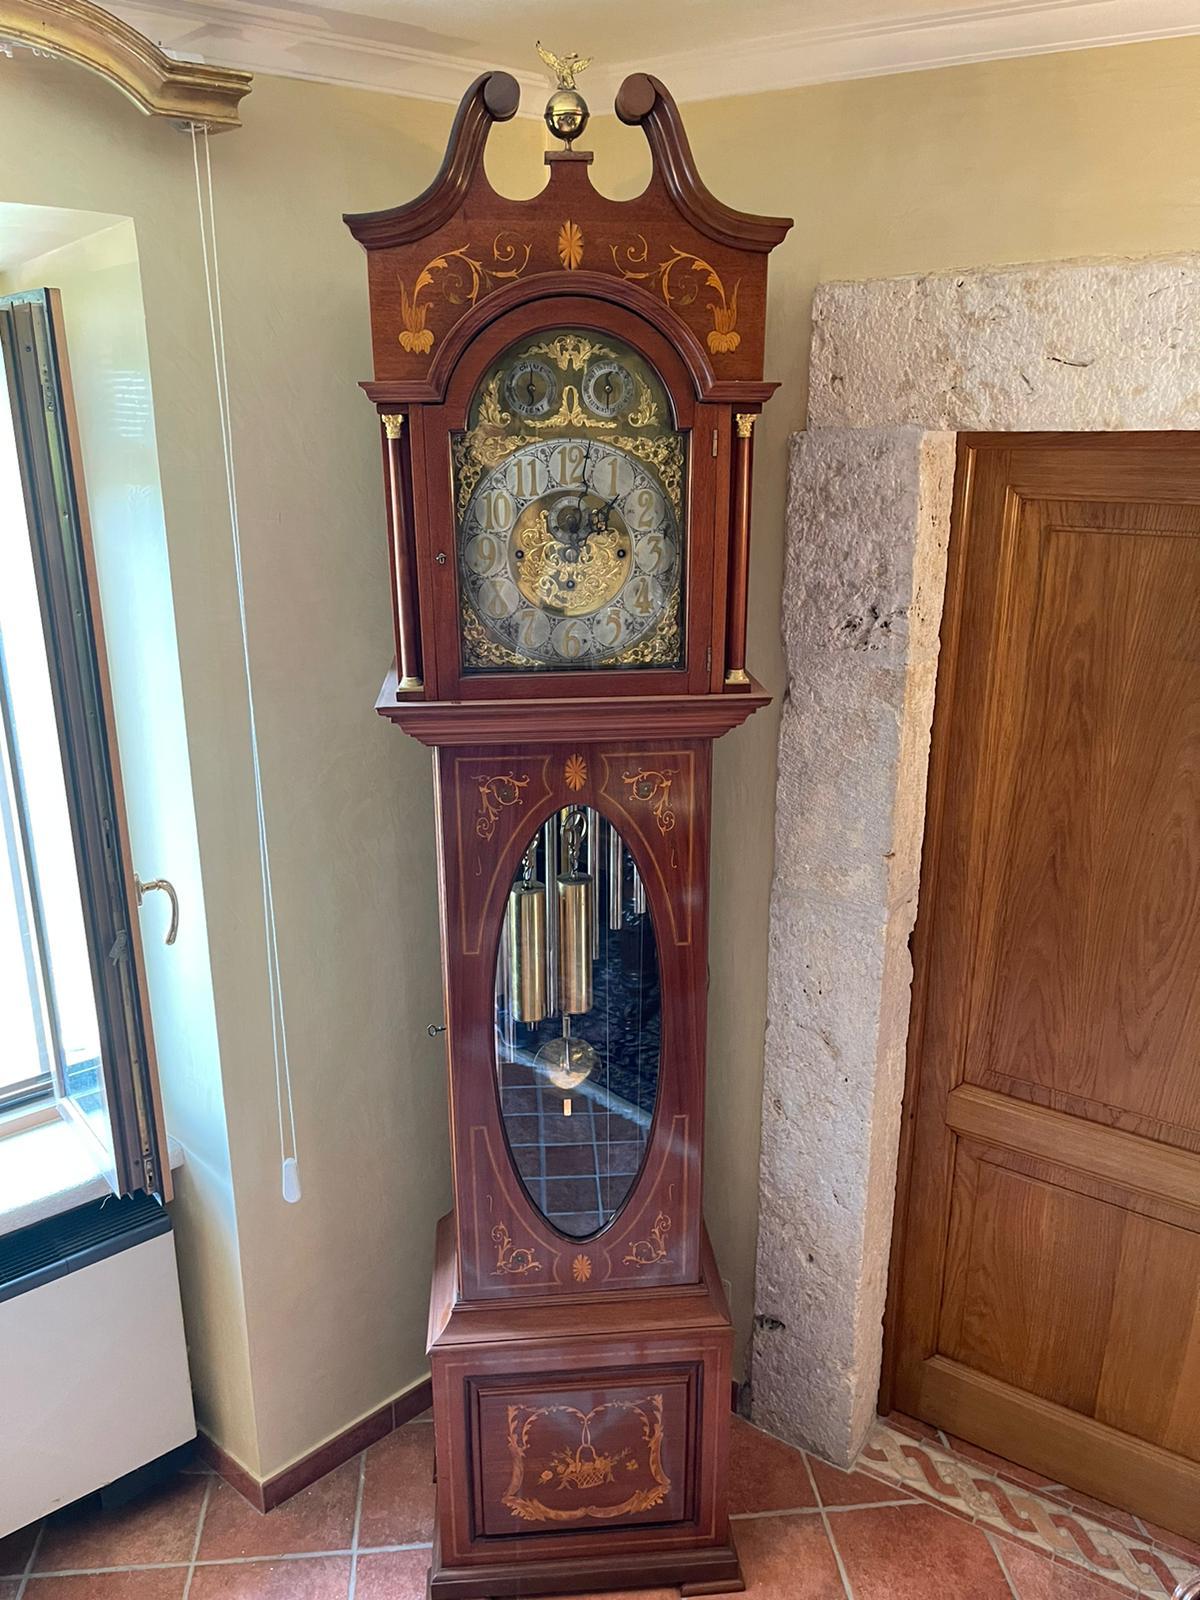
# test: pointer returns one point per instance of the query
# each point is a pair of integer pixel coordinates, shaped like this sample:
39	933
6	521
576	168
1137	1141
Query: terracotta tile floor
924	1517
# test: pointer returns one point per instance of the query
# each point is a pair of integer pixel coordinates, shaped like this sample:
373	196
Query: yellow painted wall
1092	153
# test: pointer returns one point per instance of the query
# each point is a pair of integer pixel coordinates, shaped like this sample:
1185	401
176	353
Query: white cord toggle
288	1154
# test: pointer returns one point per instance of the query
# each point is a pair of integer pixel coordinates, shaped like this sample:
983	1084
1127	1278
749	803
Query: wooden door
1046	1290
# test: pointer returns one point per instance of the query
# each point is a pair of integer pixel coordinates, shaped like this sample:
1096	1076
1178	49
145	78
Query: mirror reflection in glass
577	1021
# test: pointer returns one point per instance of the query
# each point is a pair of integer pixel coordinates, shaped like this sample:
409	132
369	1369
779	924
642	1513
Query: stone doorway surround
899	367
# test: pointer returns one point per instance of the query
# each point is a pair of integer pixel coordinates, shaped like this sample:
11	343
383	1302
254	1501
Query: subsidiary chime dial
570	544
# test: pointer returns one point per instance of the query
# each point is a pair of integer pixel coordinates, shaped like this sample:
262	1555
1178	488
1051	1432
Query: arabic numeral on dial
608	628
570	639
528	477
651	552
568	463
533	628
484	554
646	510
497	510
498	597
639	596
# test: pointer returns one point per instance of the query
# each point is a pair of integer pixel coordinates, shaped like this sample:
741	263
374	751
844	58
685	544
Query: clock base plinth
715	1572
582	1443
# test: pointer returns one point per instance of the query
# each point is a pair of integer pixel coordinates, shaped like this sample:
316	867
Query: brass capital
745	423
393	422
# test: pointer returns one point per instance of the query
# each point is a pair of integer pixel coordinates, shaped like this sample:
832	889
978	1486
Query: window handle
168	888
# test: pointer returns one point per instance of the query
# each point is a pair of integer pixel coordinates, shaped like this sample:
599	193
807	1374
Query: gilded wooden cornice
79	31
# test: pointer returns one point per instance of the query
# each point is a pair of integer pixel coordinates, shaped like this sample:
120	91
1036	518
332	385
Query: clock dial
531	388
607	388
570	552
569	493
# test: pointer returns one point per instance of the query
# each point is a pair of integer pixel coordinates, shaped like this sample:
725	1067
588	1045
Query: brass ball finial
566	110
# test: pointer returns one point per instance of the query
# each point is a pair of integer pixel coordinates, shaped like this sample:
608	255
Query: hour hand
598	517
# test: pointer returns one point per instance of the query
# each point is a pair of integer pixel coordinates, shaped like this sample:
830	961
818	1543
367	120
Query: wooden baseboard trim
1076	1450
264	1494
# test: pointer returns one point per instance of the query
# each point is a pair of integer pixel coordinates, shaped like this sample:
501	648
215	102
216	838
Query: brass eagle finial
565	68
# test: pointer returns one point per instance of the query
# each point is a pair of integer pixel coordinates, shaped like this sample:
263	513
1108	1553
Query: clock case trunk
581	1386
526	1322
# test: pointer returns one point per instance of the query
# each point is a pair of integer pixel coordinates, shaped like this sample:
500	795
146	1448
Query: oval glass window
577	1021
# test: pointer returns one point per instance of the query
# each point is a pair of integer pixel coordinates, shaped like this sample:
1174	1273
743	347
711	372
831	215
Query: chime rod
593	861
616	875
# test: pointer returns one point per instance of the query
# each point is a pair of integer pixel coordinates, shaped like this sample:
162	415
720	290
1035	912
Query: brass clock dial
569	488
531	388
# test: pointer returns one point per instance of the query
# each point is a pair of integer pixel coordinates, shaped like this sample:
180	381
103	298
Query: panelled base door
1046	1296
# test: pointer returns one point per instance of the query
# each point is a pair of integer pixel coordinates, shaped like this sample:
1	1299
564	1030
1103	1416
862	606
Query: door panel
1046	1298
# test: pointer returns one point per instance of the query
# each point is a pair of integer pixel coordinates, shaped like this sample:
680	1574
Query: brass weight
574	891
527	950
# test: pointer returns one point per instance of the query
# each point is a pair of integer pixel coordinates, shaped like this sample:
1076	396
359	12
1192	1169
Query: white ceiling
700	48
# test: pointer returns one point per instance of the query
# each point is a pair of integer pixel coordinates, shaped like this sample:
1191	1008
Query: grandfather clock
567	389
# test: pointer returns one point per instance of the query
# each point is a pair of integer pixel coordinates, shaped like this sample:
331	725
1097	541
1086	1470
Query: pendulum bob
527	951
566	1062
574	895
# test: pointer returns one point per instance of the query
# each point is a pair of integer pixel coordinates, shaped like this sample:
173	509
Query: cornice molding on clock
327	46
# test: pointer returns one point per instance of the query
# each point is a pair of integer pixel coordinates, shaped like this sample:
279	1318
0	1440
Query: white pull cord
288	1153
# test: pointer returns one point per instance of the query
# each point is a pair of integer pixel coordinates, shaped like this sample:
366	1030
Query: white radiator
93	1366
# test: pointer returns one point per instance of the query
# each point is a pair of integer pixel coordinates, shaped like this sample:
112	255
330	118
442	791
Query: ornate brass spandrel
595	1453
571	351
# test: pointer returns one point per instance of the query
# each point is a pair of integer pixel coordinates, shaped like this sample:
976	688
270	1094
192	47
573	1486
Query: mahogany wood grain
1063	1445
493	97
644	100
1048	1245
1075	1141
481	841
455	722
596	1347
